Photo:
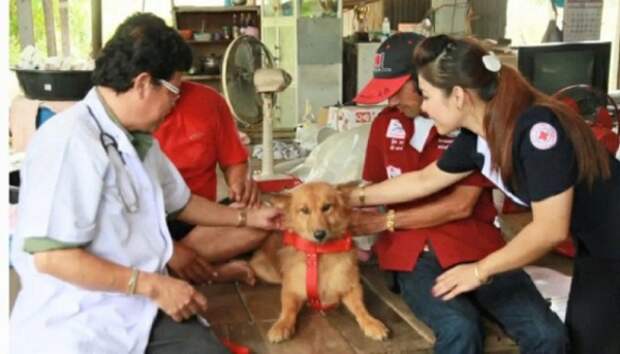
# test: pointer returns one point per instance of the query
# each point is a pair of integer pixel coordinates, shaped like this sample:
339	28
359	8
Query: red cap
380	89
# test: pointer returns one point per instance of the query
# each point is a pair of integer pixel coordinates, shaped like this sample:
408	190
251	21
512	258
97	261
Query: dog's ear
280	201
346	188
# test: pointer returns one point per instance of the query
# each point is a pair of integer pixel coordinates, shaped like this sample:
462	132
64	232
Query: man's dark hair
142	43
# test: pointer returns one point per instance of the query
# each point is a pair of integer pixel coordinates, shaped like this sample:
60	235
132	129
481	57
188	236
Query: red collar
312	251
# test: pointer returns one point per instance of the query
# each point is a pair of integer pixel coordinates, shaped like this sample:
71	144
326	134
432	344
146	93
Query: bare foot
235	270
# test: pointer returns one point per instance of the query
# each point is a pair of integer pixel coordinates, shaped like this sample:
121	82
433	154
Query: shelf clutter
209	30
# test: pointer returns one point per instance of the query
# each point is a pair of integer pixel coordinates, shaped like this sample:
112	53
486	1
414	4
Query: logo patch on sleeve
395	130
393	171
543	136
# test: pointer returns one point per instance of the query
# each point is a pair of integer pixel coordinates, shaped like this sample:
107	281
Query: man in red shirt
197	136
420	239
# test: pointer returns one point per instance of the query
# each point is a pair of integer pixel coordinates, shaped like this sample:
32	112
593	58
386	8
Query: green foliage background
79	28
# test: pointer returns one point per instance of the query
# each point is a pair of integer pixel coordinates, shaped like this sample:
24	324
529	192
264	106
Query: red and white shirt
399	144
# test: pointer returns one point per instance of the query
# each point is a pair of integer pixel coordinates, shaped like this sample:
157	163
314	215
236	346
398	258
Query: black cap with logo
393	66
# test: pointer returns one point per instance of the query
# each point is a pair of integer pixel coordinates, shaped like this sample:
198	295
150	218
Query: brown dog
318	213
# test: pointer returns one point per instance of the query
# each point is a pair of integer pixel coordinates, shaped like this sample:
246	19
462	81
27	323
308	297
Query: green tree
79	28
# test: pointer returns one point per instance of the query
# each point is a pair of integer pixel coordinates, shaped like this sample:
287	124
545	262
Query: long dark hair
446	62
142	43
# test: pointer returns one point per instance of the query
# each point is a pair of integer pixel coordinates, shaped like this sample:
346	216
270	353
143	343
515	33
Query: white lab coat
69	194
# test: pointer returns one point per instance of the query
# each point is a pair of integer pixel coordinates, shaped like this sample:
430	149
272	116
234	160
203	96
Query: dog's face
317	211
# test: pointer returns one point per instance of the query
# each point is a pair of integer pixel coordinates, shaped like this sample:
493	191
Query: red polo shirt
393	150
200	133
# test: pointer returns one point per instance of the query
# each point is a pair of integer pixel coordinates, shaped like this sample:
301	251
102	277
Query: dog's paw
280	332
375	329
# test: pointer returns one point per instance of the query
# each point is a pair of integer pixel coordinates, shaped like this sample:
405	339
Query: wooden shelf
216	9
221	41
202	77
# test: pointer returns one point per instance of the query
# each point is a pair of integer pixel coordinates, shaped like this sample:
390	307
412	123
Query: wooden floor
244	314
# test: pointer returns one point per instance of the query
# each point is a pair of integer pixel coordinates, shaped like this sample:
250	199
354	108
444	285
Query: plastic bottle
385	27
235	27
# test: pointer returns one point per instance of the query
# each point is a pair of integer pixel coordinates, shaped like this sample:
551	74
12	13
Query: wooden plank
373	279
225	306
403	338
65	34
245	334
26	29
50	29
313	334
262	301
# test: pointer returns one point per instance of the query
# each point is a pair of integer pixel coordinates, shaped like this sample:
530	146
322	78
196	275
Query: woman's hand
175	297
266	218
458	280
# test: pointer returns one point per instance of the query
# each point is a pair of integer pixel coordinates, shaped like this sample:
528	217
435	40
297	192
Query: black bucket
55	85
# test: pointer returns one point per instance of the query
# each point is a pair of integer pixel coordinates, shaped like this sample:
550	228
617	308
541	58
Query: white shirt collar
93	101
421	131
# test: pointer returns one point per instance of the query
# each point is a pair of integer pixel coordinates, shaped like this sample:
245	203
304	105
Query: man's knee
200	342
550	337
459	335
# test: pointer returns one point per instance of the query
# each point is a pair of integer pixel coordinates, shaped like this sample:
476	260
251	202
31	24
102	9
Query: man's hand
367	222
189	265
175	297
245	192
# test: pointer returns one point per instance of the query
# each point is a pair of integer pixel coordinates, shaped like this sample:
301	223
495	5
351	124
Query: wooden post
95	6
50	33
65	35
26	31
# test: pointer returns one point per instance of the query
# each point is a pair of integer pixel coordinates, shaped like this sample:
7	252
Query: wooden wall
405	10
491	21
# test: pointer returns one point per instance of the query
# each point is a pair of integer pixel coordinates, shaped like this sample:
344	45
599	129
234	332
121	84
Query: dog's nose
320	235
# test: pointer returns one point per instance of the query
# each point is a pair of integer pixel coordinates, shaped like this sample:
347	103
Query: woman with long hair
542	155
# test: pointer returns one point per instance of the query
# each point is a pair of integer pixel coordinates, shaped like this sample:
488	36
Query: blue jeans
511	299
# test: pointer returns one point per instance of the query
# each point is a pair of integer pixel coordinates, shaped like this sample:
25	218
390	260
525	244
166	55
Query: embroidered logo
395	130
196	136
543	136
378	65
397	144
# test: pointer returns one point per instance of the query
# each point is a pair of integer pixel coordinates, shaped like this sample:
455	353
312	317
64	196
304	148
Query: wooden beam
26	31
95	6
50	33
65	34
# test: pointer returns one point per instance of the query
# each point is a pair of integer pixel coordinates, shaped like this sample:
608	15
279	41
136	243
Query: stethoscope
123	180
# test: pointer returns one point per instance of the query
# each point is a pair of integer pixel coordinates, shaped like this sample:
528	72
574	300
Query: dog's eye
326	207
305	210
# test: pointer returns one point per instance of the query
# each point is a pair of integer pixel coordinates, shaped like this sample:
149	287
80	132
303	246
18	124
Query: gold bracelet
133	281
362	196
477	274
242	218
390	220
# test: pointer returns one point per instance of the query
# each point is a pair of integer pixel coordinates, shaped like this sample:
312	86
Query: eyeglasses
170	87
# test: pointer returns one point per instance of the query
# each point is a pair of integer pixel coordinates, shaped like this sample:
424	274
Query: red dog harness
312	251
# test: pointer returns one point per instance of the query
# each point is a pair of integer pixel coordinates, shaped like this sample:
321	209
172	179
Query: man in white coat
92	242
